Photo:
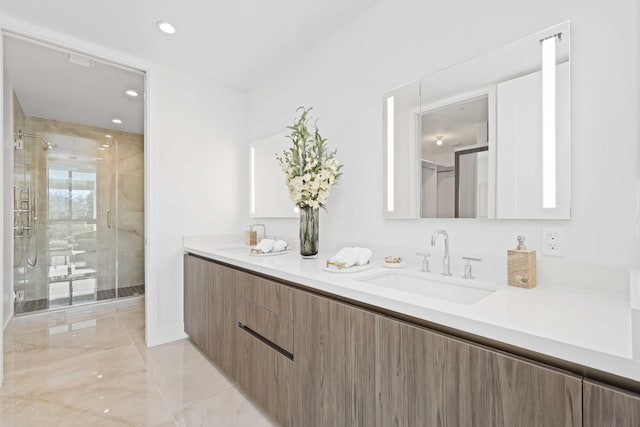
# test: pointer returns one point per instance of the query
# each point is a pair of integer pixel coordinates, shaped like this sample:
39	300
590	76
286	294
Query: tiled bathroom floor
88	366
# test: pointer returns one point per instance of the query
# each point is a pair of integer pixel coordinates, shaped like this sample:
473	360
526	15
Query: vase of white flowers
311	169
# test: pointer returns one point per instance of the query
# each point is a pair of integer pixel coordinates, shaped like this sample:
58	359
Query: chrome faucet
446	267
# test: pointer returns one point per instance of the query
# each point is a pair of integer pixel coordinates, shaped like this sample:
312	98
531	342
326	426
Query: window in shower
73	260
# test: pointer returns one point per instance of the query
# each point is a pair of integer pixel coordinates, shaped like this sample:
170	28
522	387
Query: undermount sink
428	285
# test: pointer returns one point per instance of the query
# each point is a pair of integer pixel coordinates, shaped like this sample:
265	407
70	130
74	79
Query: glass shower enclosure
78	214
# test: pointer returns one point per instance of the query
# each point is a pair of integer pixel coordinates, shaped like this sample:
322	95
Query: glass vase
309	225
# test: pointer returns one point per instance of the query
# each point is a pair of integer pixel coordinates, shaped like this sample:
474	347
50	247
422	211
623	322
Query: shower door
82	238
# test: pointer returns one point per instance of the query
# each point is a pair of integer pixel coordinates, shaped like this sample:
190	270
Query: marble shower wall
120	188
130	217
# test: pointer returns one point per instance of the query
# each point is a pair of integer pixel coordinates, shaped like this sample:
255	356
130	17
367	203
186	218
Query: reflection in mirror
455	141
520	95
269	197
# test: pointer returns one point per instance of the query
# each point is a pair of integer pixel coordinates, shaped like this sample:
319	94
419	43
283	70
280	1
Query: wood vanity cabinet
264	323
310	360
209	310
356	368
425	378
608	406
334	369
196	283
221	318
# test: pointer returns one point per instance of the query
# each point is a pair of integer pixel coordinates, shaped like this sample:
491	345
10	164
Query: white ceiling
457	124
49	86
234	43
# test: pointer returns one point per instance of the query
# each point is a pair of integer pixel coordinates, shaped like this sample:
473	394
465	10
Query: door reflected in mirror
454	160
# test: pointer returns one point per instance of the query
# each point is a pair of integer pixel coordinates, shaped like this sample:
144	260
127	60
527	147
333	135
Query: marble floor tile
183	374
134	324
31	350
89	366
33	412
227	408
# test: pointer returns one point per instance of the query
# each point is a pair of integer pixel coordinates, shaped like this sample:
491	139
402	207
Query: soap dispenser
251	236
521	266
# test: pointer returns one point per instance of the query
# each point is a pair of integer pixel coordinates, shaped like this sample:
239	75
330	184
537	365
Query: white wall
195	171
5	291
398	41
198	181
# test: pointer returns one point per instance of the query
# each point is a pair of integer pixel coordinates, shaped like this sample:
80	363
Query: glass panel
81	261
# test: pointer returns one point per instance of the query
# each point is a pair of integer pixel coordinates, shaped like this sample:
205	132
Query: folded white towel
346	256
352	256
279	245
364	255
265	245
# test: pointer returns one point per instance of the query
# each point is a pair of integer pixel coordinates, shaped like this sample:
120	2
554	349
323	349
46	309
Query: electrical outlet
20	295
552	242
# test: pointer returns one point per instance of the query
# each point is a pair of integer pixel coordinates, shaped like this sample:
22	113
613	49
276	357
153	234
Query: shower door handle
108	218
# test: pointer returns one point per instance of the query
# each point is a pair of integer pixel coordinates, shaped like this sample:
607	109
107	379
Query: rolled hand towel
346	256
265	245
279	245
364	255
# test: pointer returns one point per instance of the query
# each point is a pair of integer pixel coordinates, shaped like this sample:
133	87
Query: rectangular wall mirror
269	197
487	138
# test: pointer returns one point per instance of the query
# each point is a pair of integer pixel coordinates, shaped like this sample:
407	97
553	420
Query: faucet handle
468	274
425	261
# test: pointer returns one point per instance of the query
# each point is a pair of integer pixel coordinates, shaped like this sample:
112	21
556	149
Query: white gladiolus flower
310	167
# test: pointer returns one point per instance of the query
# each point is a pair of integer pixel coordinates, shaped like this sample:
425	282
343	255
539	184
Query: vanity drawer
265	374
275	328
268	294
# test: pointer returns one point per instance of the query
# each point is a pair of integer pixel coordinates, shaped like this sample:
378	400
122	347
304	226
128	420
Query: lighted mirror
400	131
492	136
268	193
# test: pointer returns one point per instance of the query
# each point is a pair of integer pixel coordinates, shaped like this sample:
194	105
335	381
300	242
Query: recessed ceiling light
165	27
117	121
108	136
101	148
132	93
439	140
106	145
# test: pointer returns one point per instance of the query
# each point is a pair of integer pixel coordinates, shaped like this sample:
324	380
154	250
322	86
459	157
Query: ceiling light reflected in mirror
165	27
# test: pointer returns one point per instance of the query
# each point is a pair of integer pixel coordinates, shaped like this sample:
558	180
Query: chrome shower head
47	145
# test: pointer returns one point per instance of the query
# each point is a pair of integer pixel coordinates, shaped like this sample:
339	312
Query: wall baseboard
168	334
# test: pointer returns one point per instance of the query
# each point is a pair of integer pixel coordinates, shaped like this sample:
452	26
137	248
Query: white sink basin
427	285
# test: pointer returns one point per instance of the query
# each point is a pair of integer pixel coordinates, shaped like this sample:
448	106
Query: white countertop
592	329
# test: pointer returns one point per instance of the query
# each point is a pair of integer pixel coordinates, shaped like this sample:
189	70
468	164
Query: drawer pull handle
268	342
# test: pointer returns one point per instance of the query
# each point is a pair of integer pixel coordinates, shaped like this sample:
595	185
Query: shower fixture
25	223
21	135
